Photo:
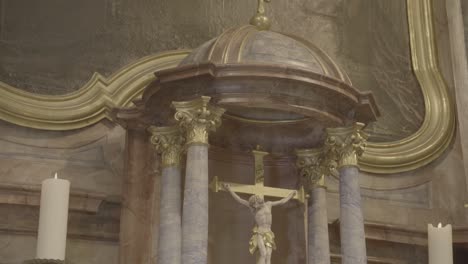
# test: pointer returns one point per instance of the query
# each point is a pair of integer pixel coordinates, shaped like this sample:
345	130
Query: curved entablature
297	90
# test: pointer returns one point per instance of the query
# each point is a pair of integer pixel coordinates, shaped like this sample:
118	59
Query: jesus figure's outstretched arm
235	196
284	200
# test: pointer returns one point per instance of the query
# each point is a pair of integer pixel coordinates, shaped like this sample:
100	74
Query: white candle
440	244
53	219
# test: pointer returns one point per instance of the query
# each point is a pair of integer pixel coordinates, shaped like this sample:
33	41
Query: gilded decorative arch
93	102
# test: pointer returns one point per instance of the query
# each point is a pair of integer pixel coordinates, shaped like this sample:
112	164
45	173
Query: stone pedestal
345	145
197	118
137	200
168	142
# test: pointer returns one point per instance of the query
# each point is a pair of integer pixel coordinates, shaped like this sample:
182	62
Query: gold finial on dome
260	20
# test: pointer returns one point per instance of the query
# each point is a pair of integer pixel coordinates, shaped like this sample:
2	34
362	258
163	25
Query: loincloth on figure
268	240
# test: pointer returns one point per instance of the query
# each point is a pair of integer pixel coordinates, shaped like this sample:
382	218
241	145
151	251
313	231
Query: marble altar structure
243	79
142	105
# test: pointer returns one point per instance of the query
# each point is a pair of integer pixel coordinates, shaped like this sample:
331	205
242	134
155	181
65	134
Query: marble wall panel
91	158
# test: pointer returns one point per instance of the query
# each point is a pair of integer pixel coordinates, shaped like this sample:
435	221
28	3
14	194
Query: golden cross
258	188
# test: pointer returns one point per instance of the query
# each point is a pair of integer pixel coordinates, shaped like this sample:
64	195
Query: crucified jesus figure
263	238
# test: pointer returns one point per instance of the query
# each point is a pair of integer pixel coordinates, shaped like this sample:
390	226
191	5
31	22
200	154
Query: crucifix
259	187
263	238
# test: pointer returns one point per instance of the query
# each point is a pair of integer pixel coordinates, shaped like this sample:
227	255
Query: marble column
197	118
346	144
312	170
138	200
168	142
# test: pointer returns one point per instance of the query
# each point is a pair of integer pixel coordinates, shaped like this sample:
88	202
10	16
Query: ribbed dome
248	45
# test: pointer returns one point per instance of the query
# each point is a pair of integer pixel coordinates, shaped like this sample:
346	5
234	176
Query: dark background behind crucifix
231	224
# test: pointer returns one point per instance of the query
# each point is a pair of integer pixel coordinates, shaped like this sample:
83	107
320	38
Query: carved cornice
168	141
198	118
346	144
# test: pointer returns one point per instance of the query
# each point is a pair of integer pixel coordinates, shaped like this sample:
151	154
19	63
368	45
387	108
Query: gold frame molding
92	103
438	128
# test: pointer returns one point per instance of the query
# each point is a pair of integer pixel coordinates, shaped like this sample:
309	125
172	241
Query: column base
44	261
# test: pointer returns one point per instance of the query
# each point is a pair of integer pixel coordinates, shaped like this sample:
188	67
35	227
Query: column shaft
197	118
137	201
170	228
353	241
319	248
195	206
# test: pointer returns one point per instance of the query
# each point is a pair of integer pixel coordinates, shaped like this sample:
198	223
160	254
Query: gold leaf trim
438	128
88	105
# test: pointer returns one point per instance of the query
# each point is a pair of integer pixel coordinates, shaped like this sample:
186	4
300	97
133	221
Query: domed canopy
279	91
249	45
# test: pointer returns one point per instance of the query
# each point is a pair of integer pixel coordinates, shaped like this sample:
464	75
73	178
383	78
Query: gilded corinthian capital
346	144
198	118
168	141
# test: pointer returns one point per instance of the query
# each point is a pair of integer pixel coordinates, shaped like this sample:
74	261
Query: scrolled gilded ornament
169	142
197	118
